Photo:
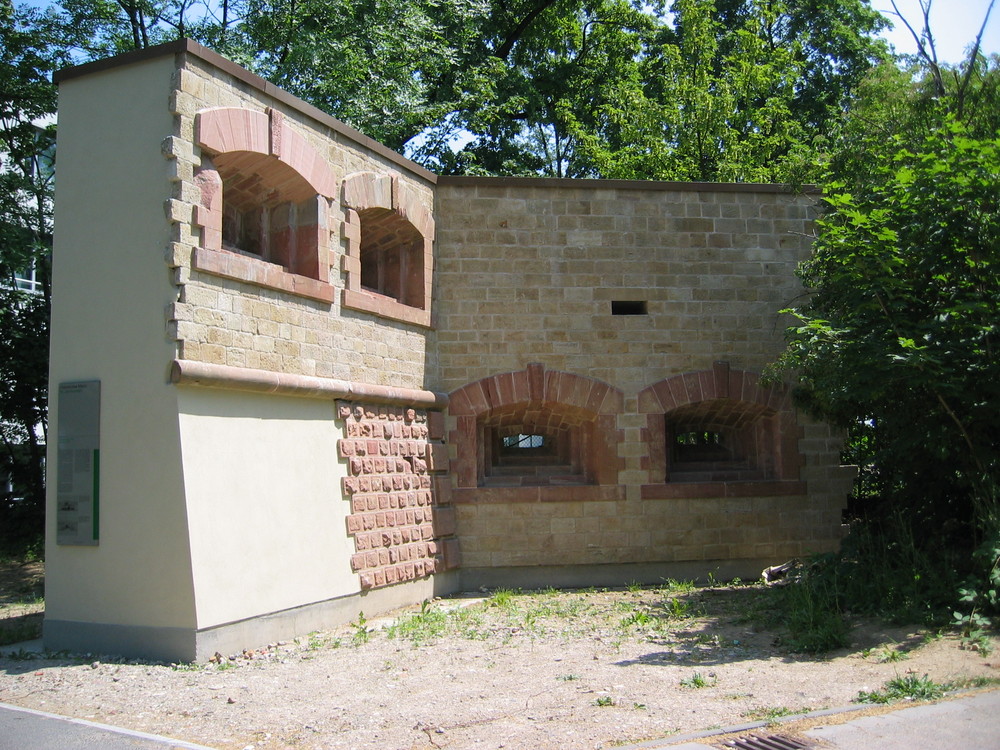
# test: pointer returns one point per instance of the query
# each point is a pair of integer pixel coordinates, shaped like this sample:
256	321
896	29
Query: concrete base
610	574
193	645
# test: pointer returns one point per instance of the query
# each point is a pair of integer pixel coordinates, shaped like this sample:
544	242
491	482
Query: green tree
29	51
614	88
900	335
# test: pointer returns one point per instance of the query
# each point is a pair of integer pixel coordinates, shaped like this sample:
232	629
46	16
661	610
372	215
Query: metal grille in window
524	441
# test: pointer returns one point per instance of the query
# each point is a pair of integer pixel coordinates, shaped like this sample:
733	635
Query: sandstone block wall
651	289
236	311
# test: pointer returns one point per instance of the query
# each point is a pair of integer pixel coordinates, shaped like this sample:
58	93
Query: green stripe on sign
97	494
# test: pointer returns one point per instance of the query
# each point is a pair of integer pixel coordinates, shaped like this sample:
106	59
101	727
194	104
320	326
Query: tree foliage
902	327
30	47
699	89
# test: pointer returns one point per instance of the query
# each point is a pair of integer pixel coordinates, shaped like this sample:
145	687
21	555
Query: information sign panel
78	463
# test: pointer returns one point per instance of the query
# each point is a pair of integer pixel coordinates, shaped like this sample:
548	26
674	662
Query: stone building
296	376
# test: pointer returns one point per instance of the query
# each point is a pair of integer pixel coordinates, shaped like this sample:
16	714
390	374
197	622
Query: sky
954	25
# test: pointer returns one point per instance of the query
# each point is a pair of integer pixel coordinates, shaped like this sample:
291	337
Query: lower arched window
721	440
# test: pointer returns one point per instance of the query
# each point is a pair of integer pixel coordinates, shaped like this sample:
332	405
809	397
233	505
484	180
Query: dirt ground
548	669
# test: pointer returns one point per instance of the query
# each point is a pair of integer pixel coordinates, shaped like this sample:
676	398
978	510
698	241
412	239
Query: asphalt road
24	729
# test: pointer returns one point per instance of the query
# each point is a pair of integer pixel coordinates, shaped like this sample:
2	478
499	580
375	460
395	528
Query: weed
568	677
636	618
422	627
501	598
633	586
885	654
678	587
981	592
639	706
187	666
697	680
980	643
362	633
314	641
604	700
22	655
772	714
677	608
909	687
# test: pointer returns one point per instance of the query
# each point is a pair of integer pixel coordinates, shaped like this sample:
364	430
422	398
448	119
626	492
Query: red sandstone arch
723	398
536	400
232	129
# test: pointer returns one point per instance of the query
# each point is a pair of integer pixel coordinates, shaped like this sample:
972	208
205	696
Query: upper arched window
390	236
265	199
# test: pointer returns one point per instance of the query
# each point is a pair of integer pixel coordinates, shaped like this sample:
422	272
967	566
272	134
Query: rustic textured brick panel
400	519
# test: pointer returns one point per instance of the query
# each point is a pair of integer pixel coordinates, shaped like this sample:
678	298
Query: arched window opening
518	450
392	256
265	195
721	440
268	211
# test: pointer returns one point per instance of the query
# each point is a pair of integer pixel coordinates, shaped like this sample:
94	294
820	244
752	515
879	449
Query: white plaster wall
110	288
267	516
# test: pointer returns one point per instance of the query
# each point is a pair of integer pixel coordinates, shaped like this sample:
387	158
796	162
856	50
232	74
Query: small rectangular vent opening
628	307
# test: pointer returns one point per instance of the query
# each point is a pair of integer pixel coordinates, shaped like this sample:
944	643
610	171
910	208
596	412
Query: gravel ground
592	669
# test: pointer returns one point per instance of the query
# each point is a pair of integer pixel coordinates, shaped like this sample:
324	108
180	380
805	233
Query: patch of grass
811	605
604	701
638	617
315	641
887	568
501	598
909	687
969	683
773	713
548	591
422	627
187	666
634	587
672	586
697	680
885	654
678	609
